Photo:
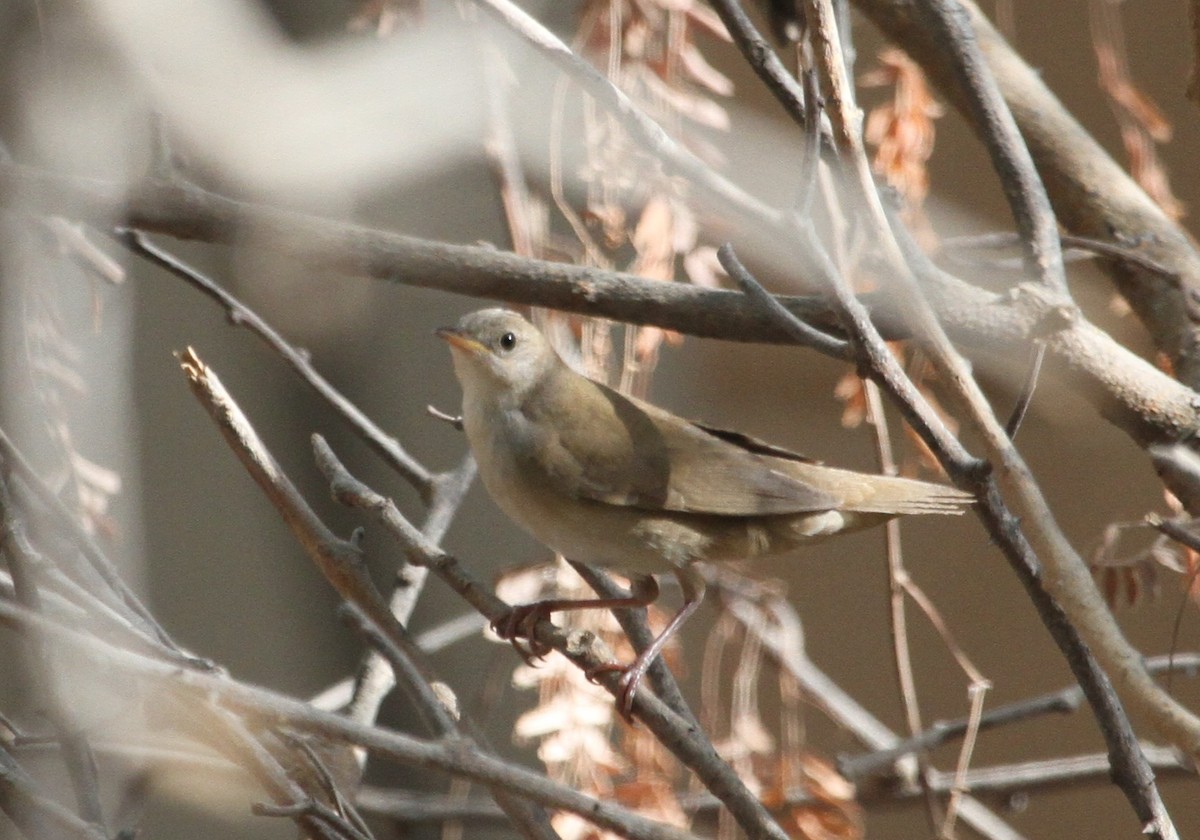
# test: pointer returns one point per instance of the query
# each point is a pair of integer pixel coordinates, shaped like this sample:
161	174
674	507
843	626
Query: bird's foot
627	686
519	625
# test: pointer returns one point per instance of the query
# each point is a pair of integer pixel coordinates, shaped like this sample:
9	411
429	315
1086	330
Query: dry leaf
851	391
703	267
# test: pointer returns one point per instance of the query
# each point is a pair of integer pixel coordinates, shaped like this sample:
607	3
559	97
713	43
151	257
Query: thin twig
340	561
1067	583
1064	701
897	614
43	664
783	643
375	679
441	710
1097	247
35	814
67	521
1093	194
761	57
585	650
263	705
1028	387
240	315
437	708
1126	390
649	135
810	163
803	333
947	21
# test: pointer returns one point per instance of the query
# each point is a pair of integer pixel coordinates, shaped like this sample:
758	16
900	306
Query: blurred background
279	103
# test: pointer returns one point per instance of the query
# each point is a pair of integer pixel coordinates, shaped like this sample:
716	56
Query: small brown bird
613	481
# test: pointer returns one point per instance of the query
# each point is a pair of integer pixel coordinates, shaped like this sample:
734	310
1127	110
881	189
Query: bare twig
34	813
43	664
1037	355
1140	399
1134	779
1097	247
947	22
341	562
63	519
281	711
240	315
441	710
438	709
898	579
1065	701
673	732
783	645
1069	605
761	57
442	492
803	333
1092	194
233	738
714	189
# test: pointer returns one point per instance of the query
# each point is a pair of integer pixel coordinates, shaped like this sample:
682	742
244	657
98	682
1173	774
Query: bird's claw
519	624
627	686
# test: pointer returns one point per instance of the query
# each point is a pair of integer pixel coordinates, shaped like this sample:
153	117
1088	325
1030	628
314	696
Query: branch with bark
65	603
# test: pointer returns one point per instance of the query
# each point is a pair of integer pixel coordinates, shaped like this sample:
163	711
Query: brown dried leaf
1191	581
851	391
703	268
650	338
837	815
696	107
708	20
1130	580
653	796
654	241
703	73
903	134
824	824
1141	121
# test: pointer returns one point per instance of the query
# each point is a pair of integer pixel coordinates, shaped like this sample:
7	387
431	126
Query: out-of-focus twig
340	561
1147	404
240	315
44	666
288	713
672	731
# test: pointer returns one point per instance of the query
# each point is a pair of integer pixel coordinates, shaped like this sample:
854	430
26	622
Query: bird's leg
521	619
693	593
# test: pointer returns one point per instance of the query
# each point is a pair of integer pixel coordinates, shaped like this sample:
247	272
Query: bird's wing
626	452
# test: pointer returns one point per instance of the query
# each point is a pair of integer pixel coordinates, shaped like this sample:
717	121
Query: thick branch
1092	195
1126	390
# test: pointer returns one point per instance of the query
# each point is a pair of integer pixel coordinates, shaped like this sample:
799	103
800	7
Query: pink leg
693	593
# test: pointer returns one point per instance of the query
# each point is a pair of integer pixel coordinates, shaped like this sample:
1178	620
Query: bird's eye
508	341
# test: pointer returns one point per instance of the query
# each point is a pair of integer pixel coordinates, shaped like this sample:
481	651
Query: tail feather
907	496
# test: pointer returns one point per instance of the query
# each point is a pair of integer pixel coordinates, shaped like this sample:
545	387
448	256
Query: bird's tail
901	496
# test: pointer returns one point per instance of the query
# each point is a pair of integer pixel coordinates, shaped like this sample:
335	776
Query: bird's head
498	354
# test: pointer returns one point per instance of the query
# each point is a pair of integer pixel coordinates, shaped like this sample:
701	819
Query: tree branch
1144	402
1092	195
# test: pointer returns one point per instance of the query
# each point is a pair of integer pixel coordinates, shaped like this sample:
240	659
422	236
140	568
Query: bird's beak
456	338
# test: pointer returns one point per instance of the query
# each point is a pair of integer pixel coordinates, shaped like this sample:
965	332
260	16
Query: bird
612	481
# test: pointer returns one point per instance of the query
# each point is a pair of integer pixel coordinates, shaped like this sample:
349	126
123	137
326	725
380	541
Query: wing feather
626	452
